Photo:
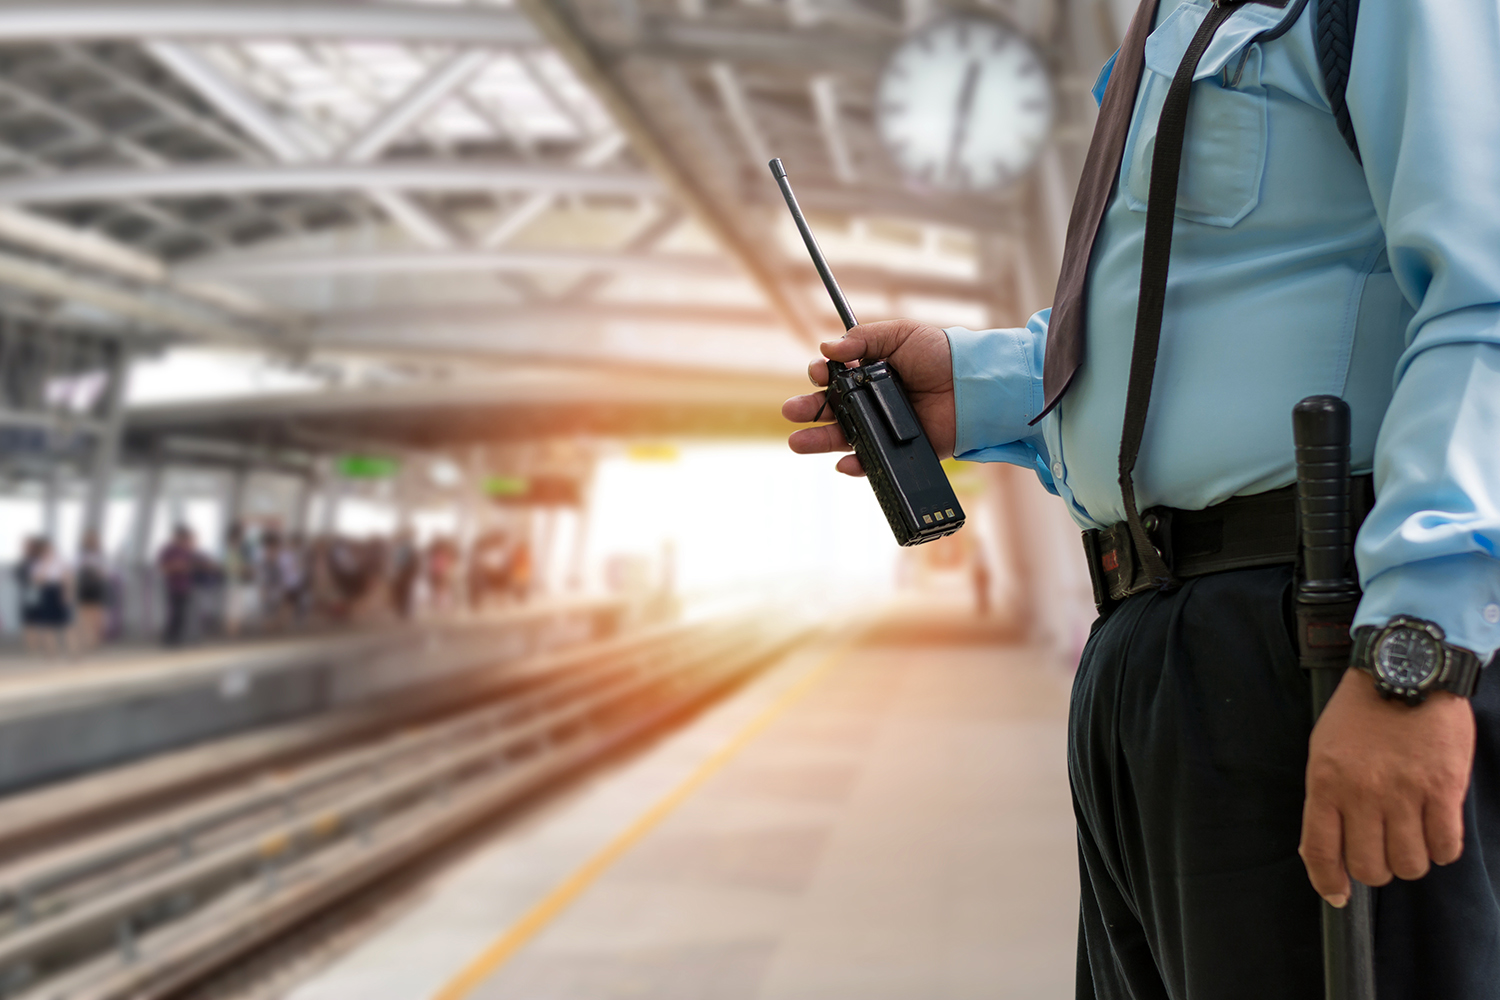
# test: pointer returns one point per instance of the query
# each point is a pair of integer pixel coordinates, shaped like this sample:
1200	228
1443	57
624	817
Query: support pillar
302	506
234	498
52	501
106	443
138	546
333	493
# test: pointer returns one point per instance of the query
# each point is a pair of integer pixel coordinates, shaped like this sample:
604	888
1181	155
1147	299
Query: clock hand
961	119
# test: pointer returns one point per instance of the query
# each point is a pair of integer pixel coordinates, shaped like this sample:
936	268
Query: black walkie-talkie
871	406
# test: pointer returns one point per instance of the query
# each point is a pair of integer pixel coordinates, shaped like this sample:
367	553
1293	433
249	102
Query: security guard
1321	240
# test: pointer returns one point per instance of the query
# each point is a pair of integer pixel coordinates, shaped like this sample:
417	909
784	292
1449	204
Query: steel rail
114	912
188	961
26	884
48	816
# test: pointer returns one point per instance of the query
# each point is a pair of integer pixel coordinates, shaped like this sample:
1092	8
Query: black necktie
1101	167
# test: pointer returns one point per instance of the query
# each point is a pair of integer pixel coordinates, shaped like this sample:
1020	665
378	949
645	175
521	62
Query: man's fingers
850	465
1444	828
1322	852
802	409
817	372
869	340
1364	847
816	440
1406	843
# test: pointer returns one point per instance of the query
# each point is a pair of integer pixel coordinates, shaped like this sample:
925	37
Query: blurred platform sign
367	467
539	490
653	451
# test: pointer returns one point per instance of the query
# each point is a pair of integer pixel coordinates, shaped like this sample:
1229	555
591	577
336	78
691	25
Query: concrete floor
901	831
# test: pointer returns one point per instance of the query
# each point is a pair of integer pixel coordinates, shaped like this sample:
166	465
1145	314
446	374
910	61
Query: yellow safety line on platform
511	941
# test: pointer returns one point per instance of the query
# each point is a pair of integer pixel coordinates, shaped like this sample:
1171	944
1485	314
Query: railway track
151	908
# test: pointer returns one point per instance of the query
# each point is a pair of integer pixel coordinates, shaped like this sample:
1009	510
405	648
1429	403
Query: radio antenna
834	291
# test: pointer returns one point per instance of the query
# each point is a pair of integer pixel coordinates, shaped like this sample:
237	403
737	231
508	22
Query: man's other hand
1385	787
919	354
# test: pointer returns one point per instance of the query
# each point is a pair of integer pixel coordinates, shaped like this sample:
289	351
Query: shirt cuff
1460	593
997	386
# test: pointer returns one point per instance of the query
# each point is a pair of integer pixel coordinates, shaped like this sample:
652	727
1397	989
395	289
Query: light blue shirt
1297	271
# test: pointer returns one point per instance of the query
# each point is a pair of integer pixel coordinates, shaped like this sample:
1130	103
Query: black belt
1241	532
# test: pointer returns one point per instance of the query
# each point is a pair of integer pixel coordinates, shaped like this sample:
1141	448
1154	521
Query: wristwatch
1408	657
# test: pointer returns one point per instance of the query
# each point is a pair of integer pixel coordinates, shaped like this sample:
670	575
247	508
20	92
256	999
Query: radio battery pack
877	419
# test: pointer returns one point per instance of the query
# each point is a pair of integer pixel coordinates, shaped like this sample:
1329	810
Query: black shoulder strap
1335	39
1161	209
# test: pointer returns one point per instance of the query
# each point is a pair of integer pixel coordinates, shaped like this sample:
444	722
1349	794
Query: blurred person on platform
91	587
489	564
292	579
179	564
241	588
520	571
26	594
405	564
54	586
442	567
49	584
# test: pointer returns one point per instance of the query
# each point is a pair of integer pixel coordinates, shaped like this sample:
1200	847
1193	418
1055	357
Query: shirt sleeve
997	390
1424	98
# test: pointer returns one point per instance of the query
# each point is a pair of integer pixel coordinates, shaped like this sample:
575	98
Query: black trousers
1187	748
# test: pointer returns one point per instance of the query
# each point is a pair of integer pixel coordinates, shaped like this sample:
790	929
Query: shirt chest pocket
1224	154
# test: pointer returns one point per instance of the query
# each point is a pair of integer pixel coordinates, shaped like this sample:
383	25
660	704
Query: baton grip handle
1320	427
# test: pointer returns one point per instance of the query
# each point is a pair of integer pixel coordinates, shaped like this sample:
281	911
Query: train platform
62	717
885	818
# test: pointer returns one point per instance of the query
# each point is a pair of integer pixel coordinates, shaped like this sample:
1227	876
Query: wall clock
965	104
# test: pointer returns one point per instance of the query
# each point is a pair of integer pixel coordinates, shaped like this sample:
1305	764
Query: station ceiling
444	180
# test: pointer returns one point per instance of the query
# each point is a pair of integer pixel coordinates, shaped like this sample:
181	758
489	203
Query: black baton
1326	600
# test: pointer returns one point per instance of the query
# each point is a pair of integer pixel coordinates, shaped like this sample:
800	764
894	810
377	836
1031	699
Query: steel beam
596	68
413	323
285	145
808	50
597	153
737	106
156	311
243	178
322	263
242	109
58	20
50	237
825	99
414	105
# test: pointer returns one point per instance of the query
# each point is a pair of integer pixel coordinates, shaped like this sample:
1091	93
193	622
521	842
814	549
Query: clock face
965	104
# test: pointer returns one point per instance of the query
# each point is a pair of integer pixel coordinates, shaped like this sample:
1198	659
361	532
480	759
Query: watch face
965	104
1409	659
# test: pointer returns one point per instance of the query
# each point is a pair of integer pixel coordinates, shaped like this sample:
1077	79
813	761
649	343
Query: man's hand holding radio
918	352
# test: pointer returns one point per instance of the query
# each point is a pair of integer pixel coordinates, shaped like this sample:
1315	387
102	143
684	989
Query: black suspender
1161	209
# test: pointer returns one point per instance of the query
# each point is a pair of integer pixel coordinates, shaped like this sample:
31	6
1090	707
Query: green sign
544	490
367	467
507	486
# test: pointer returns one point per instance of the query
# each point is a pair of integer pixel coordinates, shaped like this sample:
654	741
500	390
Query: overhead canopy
521	405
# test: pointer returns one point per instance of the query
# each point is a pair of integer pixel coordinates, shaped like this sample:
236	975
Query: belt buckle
1158	524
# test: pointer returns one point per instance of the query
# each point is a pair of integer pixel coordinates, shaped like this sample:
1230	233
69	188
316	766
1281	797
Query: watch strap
1461	670
1461	667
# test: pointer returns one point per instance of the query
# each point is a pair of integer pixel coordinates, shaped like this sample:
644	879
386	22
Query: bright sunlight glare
744	520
